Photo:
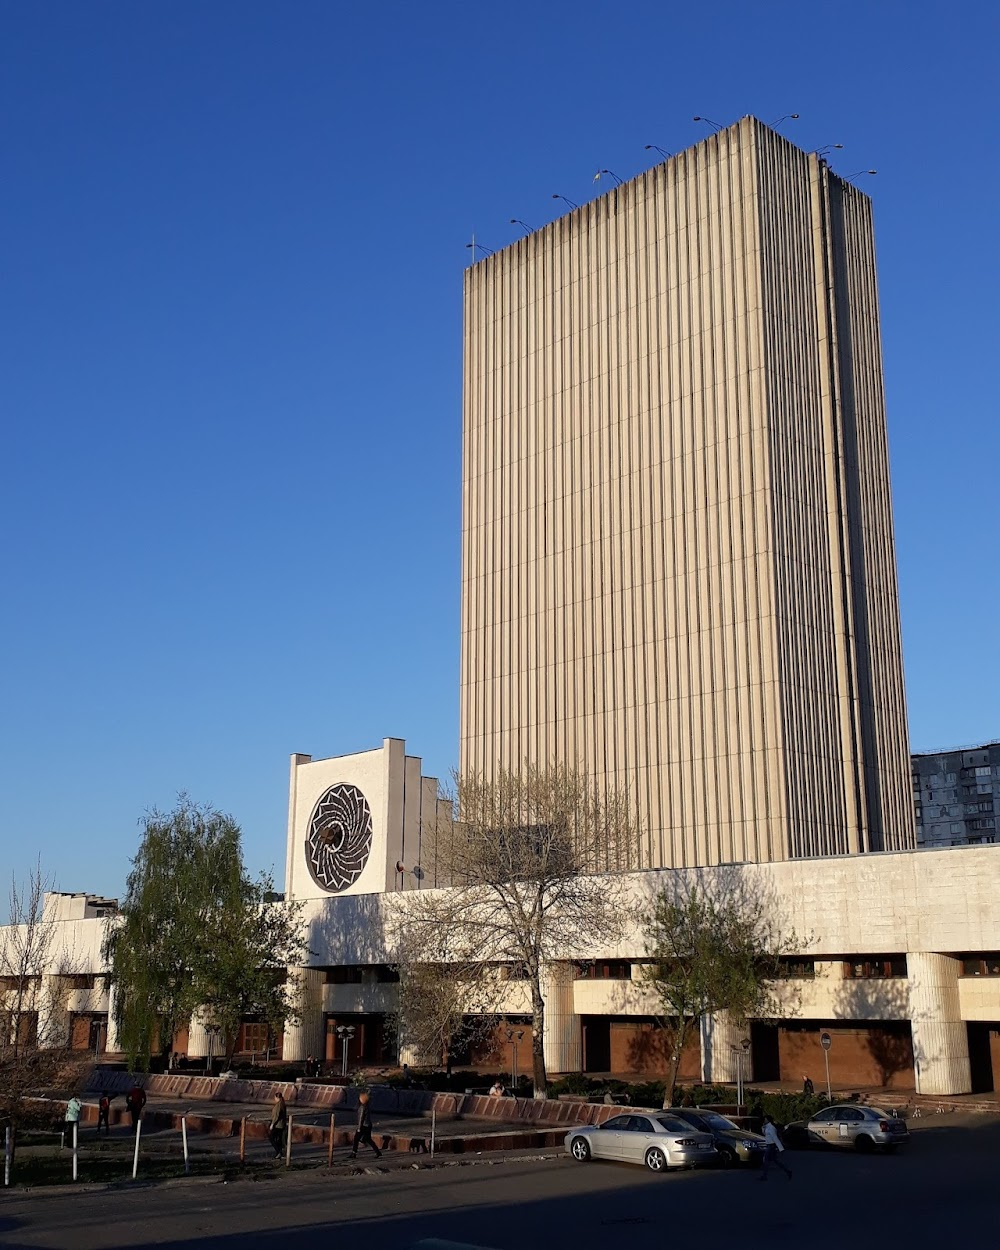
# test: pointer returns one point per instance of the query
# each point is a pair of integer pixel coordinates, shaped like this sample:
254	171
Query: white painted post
135	1157
75	1127
288	1142
184	1135
433	1128
7	1153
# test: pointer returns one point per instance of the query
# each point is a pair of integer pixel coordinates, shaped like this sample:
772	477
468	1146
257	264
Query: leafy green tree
714	943
195	933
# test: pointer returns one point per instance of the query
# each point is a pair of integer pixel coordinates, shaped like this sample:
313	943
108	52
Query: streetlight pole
345	1032
513	1037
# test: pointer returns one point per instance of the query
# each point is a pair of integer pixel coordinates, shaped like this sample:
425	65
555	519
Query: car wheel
656	1160
864	1143
727	1158
580	1149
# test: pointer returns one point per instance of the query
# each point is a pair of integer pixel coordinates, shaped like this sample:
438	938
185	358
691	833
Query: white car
658	1141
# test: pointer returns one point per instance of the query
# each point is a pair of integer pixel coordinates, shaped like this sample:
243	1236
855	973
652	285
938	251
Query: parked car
864	1128
734	1145
658	1141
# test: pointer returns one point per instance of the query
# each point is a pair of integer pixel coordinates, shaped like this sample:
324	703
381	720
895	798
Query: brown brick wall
494	1053
643	1047
873	1056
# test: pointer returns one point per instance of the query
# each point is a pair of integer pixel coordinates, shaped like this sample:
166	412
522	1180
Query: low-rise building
898	959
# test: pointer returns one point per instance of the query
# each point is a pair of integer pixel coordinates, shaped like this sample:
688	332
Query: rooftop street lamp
718	125
516	221
655	147
611	174
557	196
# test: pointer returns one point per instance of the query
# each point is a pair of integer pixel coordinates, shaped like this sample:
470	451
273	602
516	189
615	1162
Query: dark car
734	1144
863	1128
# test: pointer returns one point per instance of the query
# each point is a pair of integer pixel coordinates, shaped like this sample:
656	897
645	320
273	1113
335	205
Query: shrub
783	1108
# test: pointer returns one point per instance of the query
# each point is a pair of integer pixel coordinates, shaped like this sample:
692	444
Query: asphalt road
943	1191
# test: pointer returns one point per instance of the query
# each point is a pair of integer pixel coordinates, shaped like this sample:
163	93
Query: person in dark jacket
135	1100
279	1125
363	1132
104	1113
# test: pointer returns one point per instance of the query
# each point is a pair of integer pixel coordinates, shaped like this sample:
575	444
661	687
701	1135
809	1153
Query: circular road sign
825	1040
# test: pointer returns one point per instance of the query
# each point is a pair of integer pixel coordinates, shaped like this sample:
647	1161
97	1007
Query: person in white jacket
773	1149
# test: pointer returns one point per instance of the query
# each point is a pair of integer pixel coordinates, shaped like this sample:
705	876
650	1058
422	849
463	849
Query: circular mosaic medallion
339	838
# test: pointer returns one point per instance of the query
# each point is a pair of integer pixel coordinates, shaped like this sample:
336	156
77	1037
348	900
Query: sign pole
826	1041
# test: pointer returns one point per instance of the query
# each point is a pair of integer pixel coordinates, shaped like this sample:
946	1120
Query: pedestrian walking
104	1113
73	1109
279	1125
808	1087
135	1100
363	1132
773	1150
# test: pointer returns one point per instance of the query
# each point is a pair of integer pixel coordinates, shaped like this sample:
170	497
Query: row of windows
358	974
874	967
981	965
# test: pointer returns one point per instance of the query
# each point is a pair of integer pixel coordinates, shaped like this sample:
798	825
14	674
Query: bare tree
527	862
33	998
714	940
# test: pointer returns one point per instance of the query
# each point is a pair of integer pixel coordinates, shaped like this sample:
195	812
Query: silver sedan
658	1141
864	1128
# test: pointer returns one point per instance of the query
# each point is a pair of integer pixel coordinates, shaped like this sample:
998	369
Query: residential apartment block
956	795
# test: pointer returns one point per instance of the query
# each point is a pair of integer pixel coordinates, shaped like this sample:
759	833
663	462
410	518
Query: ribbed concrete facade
678	563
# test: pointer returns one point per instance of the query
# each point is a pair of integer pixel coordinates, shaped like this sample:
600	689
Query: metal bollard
243	1140
75	1136
329	1153
288	1142
8	1154
135	1157
184	1136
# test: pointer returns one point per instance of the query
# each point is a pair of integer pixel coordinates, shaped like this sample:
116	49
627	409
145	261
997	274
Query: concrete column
53	1012
111	1044
940	1038
719	1034
198	1039
561	1044
306	1038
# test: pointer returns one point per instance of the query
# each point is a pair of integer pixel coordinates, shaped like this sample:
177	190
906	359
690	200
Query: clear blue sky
233	237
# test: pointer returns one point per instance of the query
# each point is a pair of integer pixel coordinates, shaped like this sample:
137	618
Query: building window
605	970
875	967
516	971
981	965
359	974
256	1036
791	968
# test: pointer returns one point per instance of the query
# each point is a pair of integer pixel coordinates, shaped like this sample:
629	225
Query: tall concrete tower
678	564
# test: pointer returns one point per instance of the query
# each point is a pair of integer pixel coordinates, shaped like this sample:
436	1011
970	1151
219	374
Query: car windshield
672	1125
717	1122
